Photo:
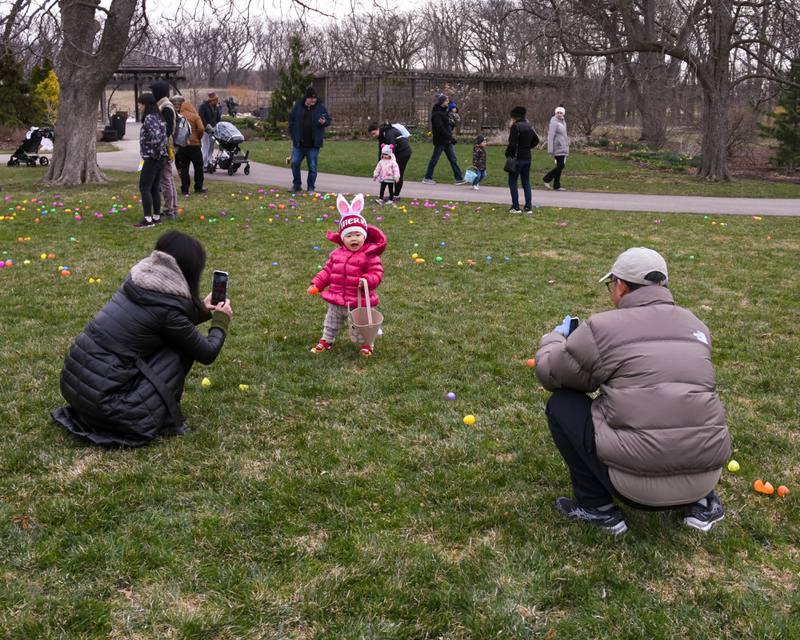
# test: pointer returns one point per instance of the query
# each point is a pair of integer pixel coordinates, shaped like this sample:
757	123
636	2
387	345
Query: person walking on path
210	113
443	141
160	90
392	134
190	153
521	139
479	161
307	123
558	147
123	376
153	151
656	436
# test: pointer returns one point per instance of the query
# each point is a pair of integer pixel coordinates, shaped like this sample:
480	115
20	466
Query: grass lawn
345	498
584	172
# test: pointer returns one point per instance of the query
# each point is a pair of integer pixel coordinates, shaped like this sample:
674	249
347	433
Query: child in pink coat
387	172
358	256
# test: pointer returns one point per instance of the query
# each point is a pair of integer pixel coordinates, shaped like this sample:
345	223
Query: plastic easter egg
469	420
450	396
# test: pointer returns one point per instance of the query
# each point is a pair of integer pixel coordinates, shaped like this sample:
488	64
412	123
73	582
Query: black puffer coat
441	133
123	376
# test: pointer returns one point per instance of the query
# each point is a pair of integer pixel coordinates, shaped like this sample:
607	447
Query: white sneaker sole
705	527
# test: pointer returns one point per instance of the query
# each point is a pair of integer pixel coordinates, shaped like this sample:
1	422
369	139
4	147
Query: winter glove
563	328
312	290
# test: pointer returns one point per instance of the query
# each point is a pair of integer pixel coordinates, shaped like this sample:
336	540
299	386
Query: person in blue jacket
307	122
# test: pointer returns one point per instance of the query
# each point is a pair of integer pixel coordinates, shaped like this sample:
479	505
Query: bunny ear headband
344	207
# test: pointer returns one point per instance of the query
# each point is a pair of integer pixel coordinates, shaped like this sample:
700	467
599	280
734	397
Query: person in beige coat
655	437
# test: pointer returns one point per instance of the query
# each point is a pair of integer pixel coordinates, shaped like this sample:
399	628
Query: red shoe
321	346
366	350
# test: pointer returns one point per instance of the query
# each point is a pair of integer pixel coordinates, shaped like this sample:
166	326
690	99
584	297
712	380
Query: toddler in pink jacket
387	172
357	256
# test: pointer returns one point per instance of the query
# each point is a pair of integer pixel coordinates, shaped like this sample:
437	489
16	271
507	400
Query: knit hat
311	92
352	222
160	89
177	99
387	150
439	97
480	139
452	105
518	112
561	110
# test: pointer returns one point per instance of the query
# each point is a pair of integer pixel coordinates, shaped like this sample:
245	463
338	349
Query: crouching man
655	437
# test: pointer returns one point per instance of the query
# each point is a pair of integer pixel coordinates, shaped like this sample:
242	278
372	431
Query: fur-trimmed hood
160	272
374	244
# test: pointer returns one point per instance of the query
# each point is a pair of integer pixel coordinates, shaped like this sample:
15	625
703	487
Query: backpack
183	131
404	133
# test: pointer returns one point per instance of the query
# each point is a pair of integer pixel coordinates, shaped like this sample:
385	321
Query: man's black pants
184	156
569	416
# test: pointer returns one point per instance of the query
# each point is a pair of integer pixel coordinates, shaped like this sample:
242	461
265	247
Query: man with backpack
160	89
188	135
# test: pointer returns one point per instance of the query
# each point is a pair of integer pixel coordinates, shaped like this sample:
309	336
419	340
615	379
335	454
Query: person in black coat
123	376
387	133
307	122
521	139
443	140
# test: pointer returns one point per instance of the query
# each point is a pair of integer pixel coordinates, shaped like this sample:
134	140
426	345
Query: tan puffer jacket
190	113
659	423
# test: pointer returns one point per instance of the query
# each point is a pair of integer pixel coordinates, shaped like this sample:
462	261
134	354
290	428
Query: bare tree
706	35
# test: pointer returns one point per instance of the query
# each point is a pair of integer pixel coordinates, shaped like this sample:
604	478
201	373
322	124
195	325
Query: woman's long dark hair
150	104
189	254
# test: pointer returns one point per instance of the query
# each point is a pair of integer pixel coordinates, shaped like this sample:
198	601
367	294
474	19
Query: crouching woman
123	376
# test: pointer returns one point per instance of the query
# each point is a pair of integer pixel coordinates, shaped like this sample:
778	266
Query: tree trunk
714	78
714	157
84	66
75	152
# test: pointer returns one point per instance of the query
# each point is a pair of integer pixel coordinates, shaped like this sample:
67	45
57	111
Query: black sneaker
201	191
514	210
703	518
611	521
527	210
168	216
144	224
458	183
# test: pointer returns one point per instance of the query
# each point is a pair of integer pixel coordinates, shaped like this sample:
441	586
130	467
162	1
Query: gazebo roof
137	61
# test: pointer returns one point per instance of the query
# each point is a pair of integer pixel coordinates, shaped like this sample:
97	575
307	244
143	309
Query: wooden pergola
408	95
139	68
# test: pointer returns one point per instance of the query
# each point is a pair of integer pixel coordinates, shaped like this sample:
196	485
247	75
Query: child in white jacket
387	172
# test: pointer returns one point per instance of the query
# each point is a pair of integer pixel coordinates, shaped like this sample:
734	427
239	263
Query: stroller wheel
247	169
44	161
231	169
13	162
32	162
210	168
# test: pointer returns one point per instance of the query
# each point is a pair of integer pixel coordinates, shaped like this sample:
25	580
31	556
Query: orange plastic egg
783	491
768	489
758	485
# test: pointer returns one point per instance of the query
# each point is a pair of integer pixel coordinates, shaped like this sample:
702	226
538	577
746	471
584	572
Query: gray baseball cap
635	263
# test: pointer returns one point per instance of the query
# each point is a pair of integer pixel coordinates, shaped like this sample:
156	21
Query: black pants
184	156
150	187
390	185
555	173
569	416
402	161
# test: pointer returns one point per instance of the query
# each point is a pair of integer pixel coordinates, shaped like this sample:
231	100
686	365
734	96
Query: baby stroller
28	152
229	156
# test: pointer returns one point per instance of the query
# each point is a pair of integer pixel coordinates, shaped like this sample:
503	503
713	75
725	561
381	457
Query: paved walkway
127	158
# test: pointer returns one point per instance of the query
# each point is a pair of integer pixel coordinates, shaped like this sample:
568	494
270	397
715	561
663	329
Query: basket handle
363	283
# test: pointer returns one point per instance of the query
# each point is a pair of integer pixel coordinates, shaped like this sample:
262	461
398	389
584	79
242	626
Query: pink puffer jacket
345	268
